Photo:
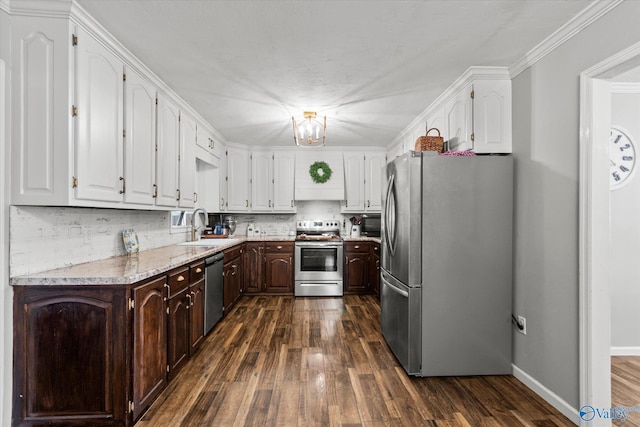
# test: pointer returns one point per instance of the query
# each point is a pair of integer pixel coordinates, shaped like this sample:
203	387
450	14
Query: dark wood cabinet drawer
279	247
232	253
178	280
196	272
357	246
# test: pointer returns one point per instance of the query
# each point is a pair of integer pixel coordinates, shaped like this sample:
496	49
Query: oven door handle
322	244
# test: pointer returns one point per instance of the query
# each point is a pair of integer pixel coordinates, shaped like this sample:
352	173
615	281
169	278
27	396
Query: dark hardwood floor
285	361
625	387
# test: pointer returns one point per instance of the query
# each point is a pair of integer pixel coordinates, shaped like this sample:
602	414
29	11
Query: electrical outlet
523	321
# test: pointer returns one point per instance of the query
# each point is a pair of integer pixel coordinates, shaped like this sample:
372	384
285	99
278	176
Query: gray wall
625	236
546	103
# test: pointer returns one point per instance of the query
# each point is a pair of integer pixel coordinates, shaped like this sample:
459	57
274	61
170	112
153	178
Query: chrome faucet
195	214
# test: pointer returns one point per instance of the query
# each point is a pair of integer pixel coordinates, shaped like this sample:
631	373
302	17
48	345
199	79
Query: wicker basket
430	143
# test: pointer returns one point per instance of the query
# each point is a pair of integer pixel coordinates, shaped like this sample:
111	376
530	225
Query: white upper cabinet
492	116
474	113
353	182
374	162
207	142
99	122
140	139
272	181
238	179
261	181
168	151
41	168
86	127
479	117
223	202
459	119
187	168
284	181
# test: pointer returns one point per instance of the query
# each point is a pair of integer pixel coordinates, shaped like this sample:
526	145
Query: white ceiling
370	66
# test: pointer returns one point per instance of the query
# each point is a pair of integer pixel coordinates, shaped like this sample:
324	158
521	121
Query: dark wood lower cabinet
233	277
374	269
278	262
100	355
70	356
356	267
149	367
269	267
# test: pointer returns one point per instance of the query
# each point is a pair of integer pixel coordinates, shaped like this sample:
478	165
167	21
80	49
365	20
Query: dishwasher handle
214	259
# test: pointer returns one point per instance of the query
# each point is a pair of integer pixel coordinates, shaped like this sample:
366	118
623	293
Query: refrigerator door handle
390	219
396	289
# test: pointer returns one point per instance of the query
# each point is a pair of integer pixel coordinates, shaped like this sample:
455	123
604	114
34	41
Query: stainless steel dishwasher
213	292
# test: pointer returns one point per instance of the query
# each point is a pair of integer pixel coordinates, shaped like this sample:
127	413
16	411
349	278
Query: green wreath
320	172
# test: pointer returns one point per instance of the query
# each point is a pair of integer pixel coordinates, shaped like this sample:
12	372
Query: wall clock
622	158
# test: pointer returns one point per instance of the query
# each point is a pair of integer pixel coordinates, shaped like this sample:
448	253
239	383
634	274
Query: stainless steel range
318	258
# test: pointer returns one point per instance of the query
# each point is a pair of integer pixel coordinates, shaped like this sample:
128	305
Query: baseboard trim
625	351
551	398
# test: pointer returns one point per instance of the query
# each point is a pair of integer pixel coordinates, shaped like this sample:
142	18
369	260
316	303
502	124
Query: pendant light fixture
309	132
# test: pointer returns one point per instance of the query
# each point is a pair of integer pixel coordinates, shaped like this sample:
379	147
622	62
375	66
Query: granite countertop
362	239
125	270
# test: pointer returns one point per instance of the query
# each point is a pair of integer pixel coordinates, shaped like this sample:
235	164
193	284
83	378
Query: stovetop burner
318	230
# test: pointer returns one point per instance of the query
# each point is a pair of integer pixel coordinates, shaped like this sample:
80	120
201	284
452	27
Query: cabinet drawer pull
356	247
180	278
198	270
278	247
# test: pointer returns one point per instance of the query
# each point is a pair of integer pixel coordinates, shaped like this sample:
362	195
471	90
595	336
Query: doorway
594	268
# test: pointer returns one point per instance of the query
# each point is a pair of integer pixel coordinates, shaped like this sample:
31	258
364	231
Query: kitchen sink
211	242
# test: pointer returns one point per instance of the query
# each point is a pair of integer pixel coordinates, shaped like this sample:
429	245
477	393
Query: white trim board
542	391
579	22
625	351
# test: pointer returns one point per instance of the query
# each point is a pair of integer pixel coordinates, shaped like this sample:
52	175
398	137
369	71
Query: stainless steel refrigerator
446	275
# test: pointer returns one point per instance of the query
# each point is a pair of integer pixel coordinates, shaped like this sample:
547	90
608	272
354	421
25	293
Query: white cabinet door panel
374	162
168	141
238	172
99	141
283	182
459	115
262	181
140	140
492	116
354	182
187	161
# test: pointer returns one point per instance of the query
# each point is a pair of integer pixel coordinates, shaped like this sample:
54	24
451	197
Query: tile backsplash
44	238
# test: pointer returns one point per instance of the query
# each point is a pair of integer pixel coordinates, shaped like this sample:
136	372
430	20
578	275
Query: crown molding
37	8
591	13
